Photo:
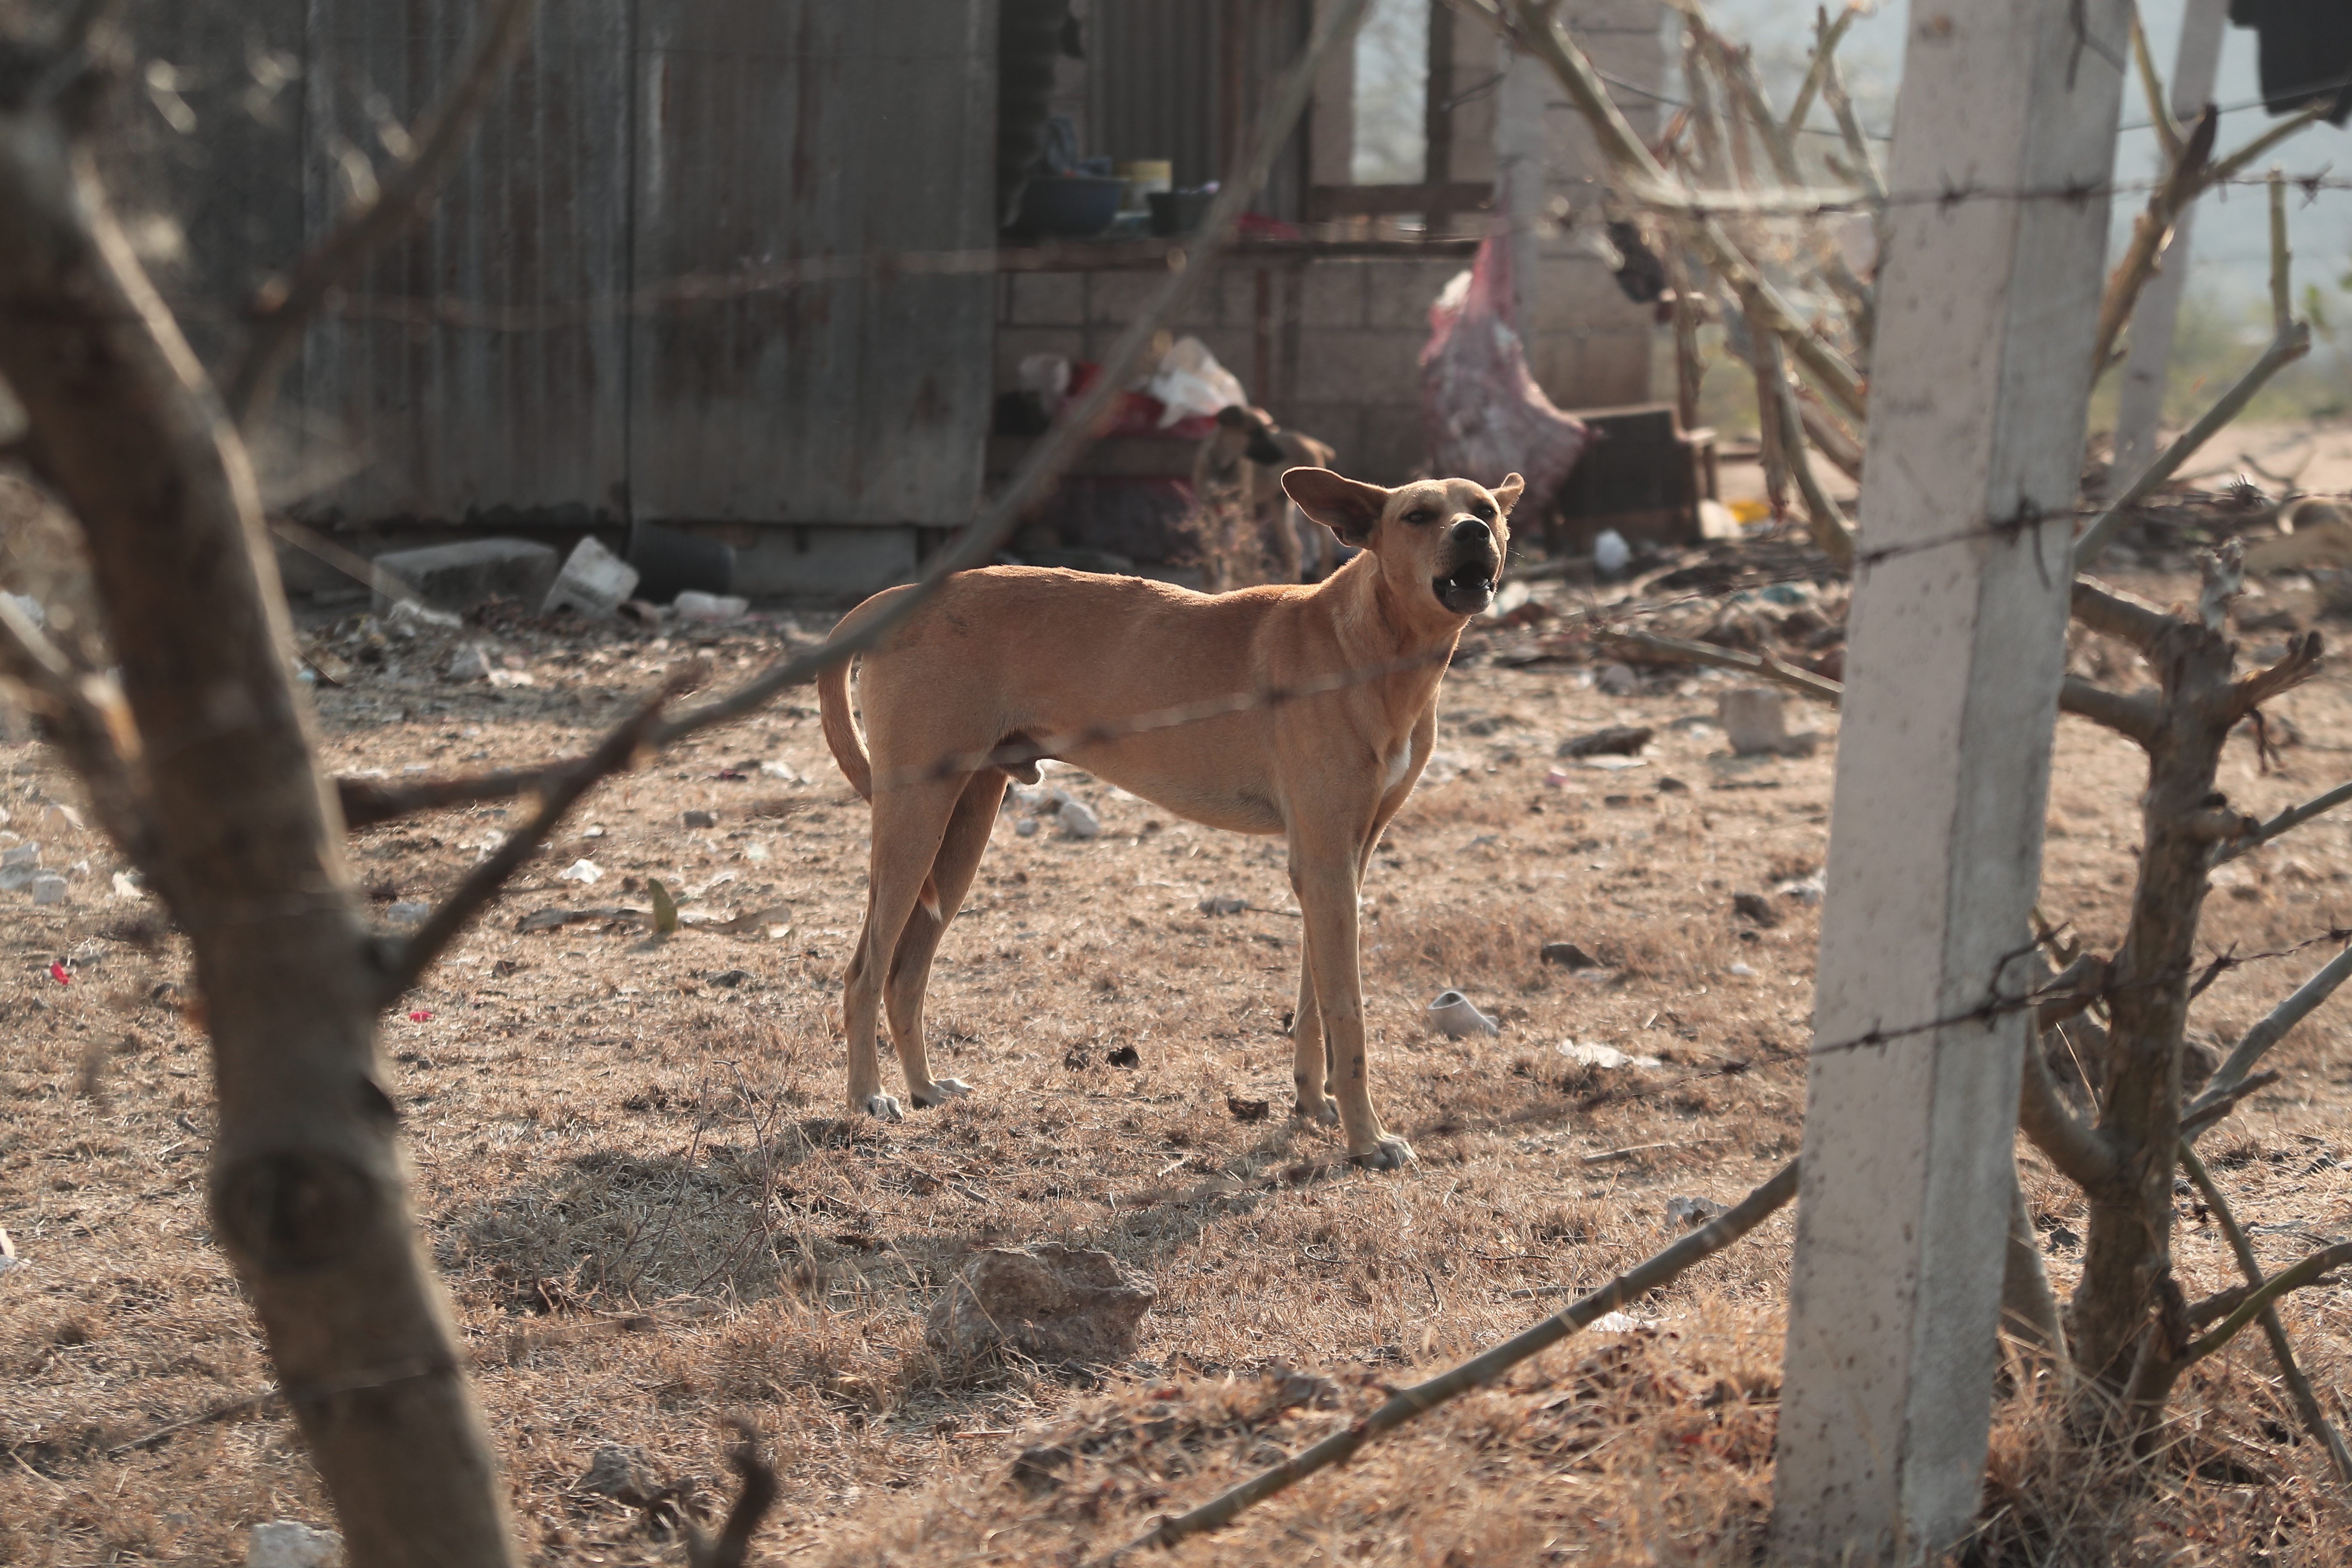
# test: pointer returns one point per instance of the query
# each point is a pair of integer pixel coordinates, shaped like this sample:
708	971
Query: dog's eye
1483	512
1419	514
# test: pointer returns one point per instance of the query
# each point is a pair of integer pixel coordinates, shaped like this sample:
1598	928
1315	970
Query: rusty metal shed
594	326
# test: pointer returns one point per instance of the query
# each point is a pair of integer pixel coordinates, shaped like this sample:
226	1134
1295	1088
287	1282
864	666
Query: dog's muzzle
1468	587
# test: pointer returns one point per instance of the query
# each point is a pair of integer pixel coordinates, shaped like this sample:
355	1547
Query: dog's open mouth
1469	589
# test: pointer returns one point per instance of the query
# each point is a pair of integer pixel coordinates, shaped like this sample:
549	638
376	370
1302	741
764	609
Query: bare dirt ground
632	1164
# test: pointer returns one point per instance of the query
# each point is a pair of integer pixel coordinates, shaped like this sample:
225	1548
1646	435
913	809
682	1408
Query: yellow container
1144	176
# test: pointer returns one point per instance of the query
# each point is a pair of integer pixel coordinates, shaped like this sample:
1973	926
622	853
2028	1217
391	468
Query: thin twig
2306	1271
1831	529
2258	1040
369	801
2151	232
1826	33
2135	718
2286	821
2282	258
1479	1371
2306	1402
279	321
2138	627
2159	112
2086	1154
559	793
1770	668
2208	1110
90	724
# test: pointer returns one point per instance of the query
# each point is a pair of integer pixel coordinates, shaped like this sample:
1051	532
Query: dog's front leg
1324	861
1312	1058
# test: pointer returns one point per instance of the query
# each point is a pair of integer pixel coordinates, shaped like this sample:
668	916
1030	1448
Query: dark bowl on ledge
1068	206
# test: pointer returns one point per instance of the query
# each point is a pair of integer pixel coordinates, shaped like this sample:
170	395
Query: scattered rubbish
1078	820
665	907
411	612
1806	890
594	582
700	819
1223	904
1613	765
407	914
1482	408
1604	1059
1689	1213
777	768
284	1544
1744	971
580	872
1453	1015
1247	1109
772	918
421	1015
1716	521
1617	681
48	888
465	575
1617	740
1755	908
1569	954
1125	1057
60	973
730	978
1756	719
1050	1303
715	608
18	866
1616	1323
1190	382
1611	554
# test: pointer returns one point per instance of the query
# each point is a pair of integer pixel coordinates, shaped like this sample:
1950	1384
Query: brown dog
1010	663
1246	455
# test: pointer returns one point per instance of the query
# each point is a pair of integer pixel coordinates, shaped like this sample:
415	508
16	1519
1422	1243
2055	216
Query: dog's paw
1391	1153
942	1091
884	1108
1327	1113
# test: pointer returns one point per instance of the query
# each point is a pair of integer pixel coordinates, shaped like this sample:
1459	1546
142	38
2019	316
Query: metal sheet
775	131
455	417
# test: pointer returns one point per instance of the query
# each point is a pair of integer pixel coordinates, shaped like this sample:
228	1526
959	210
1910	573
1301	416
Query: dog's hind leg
960	848
1326	856
1312	1056
908	826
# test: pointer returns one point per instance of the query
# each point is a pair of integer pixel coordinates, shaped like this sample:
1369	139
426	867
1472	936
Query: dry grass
635	1178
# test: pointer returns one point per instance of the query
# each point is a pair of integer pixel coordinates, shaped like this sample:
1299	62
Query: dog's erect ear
1507	494
1348	508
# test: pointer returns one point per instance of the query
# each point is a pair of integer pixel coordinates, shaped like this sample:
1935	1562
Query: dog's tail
840	725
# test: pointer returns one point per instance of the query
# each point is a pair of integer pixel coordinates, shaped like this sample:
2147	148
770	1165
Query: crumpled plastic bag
1192	384
1482	413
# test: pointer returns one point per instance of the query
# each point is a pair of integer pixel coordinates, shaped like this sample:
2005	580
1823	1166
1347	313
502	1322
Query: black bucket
671	562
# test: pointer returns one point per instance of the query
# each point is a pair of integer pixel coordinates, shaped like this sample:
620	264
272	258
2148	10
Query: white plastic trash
693	605
1453	1016
580	872
1192	383
1611	554
594	582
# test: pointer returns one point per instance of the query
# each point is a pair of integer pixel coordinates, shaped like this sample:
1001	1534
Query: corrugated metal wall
773	132
500	364
488	413
1161	84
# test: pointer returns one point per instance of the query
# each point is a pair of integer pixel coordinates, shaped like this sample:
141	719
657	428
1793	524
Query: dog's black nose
1470	531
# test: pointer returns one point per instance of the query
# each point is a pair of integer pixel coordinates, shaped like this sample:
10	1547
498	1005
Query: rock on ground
1051	1303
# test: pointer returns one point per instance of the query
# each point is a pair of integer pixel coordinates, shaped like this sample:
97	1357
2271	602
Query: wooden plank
1325	203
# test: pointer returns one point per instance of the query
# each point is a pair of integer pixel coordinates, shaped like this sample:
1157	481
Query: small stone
1617	740
580	872
1604	1058
1568	955
470	663
1807	890
700	819
715	608
1223	904
1689	1213
1078	820
285	1543
1755	908
730	978
464	574
1672	787
1617	681
48	888
1026	827
1247	1109
1051	1303
620	1472
1125	1057
594	582
1756	719
18	866
407	914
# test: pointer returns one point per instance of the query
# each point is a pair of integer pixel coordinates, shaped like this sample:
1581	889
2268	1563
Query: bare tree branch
2083	1154
2159	112
2209	1108
369	801
2306	1402
279	321
1770	668
2126	620
2134	718
1479	1371
90	725
1826	35
2258	1040
2301	663
2286	821
2307	1271
560	791
2151	232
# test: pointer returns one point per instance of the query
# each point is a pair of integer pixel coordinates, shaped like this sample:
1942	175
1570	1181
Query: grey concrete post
1989	303
2140	403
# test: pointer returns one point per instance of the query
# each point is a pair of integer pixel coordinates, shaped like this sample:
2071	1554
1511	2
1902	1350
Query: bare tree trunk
309	1189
